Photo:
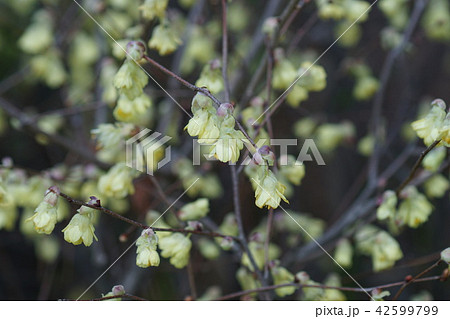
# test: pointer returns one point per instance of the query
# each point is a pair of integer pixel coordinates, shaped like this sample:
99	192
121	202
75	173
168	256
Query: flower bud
194	225
270	26
302	277
135	50
226	243
225	109
118	290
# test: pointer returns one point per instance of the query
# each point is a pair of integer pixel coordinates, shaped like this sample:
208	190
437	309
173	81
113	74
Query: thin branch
407	283
416	167
187	84
143	226
300	286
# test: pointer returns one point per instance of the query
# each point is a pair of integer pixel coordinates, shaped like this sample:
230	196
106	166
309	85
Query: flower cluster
146	249
436	20
281	276
413	210
176	246
211	77
348	13
308	78
215	128
366	84
256	247
378	244
165	38
153	9
435	125
194	210
268	191
396	11
117	182
130	80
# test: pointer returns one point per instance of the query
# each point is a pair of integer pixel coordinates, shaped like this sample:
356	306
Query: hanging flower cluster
378	244
45	216
81	228
215	128
146	249
308	78
435	125
130	80
348	13
414	209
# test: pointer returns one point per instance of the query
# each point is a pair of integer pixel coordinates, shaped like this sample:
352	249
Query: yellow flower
8	216
429	128
444	133
165	39
132	111
258	252
228	146
329	135
147	255
208	248
386	251
436	186
194	210
333	294
130	79
246	279
415	208
296	95
284	74
291	169
39	35
281	276
379	244
269	191
153	8
46	215
356	10
177	248
118	182
434	159
110	135
312	77
388	206
344	253
330	10
211	77
365	88
80	228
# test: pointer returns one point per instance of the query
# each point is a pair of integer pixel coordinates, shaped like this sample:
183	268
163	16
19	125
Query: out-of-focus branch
29	124
300	286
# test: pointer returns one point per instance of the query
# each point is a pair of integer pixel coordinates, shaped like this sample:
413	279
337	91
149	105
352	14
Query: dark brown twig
415	279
